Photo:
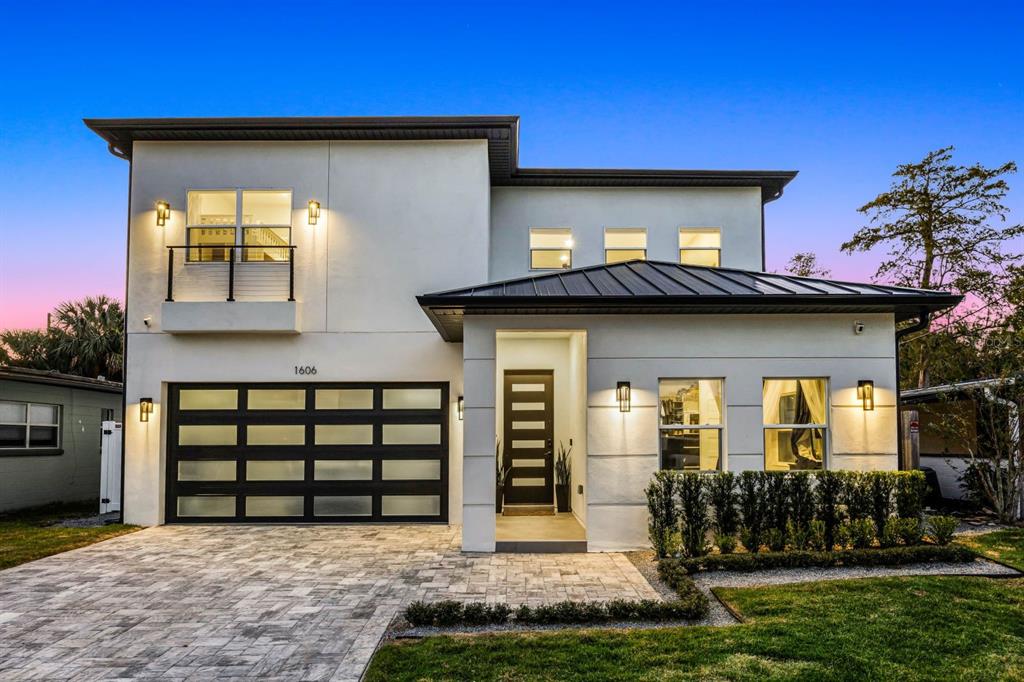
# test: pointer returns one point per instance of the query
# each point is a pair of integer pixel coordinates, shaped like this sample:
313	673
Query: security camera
858	327
147	320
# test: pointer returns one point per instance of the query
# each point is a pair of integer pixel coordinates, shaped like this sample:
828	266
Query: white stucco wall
397	219
622	448
588	211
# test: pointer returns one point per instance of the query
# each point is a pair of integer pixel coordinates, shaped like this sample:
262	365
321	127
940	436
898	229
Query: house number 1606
305	369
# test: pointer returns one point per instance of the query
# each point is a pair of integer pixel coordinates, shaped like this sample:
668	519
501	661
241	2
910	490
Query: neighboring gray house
50	435
335	319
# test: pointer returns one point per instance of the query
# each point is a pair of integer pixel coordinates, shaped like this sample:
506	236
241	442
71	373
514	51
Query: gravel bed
648	567
89	521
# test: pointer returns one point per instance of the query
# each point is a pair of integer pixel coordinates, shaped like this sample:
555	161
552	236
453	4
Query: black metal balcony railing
261	262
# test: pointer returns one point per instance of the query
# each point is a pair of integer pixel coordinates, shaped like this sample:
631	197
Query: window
550	248
213	224
690	424
624	243
700	246
29	425
795	424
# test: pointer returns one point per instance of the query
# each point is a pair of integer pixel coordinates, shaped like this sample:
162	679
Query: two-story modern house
345	319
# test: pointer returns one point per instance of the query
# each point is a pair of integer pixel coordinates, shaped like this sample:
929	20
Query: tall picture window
550	248
700	246
690	424
795	424
257	219
624	243
29	425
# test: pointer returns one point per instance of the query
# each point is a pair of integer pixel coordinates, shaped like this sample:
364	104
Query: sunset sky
841	93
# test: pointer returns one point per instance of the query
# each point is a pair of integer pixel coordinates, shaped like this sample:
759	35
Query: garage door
307	452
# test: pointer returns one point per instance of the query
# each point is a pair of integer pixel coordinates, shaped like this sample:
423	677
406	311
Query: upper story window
795	424
624	243
550	248
29	425
700	246
690	424
258	219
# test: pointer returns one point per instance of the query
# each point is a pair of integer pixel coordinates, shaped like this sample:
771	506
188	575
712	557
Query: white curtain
814	394
770	399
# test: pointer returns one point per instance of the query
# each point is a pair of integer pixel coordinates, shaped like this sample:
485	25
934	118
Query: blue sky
842	93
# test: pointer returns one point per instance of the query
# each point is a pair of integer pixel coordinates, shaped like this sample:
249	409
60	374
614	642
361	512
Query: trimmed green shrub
801	498
775	539
691	601
856	495
827	498
696	522
751	498
911	531
881	485
751	540
663	512
941	529
726	543
419	613
891	533
862	533
911	488
816	535
893	556
776	495
798	537
722	497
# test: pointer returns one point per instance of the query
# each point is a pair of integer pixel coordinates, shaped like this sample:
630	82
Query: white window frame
239	226
693	427
28	424
826	441
610	249
572	240
717	249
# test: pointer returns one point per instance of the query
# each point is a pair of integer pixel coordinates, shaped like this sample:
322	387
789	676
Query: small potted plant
563	478
500	477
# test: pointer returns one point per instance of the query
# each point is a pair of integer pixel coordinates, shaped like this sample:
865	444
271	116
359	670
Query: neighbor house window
29	425
258	219
700	246
795	424
690	424
550	248
624	243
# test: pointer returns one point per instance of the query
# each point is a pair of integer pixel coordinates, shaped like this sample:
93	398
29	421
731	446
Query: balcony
238	289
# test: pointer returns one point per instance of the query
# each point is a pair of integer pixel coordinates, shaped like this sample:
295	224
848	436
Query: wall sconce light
314	211
461	407
145	409
866	393
622	394
163	213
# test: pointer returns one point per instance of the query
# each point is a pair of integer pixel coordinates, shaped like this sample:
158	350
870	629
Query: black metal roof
658	287
501	133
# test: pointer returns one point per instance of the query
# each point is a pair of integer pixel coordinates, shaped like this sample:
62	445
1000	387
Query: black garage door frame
309	418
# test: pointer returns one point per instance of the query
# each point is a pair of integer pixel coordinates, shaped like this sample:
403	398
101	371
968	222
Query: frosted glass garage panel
207	434
342	505
343	434
208	399
276	434
273	505
412	398
206	470
411	434
343	470
206	505
344	398
410	505
275	470
277	399
411	470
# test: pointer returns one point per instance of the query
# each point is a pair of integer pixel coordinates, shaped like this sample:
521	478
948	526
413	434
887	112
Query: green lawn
1006	546
923	628
26	536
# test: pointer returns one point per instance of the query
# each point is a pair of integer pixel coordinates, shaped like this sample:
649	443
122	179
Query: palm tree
89	336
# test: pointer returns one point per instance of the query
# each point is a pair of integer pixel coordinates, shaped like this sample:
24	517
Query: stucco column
478	465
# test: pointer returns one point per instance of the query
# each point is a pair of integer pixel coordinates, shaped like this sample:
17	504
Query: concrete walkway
280	602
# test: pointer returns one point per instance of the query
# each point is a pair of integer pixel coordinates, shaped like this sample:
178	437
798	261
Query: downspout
124	334
923	318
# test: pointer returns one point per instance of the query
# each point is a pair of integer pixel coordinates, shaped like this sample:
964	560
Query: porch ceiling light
145	409
622	394
314	211
461	407
163	213
866	393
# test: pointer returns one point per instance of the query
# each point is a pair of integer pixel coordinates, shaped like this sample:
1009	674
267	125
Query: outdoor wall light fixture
866	393
163	213
145	409
314	211
461	407
622	394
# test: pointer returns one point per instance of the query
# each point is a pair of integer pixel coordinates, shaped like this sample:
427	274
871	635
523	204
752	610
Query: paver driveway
281	602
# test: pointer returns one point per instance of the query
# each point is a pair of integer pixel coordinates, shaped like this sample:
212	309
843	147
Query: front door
529	433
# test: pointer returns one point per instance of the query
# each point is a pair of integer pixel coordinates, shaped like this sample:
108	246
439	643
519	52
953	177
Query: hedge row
892	556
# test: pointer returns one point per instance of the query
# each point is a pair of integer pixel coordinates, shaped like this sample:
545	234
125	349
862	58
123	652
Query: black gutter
124	353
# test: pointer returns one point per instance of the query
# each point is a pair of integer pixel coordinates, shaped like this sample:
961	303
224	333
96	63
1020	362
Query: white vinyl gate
110	468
